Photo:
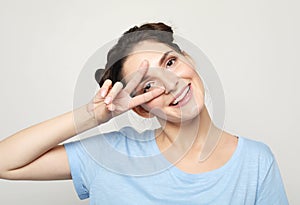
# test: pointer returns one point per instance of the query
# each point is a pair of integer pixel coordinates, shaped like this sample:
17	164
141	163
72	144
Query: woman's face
184	92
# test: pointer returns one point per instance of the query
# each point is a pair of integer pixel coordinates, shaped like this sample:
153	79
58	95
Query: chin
190	115
184	116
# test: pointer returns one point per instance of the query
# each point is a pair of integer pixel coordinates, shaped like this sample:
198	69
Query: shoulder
258	148
257	154
134	134
129	135
124	134
127	140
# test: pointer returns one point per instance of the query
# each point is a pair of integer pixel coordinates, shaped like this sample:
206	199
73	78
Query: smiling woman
148	73
172	72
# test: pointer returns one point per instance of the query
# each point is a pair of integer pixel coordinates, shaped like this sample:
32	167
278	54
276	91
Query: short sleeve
83	168
271	189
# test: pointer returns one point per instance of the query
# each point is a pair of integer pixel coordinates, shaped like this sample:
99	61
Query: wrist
84	118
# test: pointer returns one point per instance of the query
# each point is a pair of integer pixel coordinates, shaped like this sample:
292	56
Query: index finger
137	77
146	97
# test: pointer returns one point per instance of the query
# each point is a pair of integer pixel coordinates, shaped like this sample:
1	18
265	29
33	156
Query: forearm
27	145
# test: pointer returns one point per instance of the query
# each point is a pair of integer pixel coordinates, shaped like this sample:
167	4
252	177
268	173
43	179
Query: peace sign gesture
114	100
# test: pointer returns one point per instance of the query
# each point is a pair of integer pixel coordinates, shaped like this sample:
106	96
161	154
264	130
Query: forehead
146	50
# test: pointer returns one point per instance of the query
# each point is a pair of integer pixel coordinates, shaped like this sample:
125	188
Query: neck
189	135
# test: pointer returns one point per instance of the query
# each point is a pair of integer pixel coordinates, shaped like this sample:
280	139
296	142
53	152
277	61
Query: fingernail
103	92
107	100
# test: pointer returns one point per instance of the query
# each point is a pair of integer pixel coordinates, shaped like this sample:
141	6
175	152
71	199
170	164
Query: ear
189	58
142	112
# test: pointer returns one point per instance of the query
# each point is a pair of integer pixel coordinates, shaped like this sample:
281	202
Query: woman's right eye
147	87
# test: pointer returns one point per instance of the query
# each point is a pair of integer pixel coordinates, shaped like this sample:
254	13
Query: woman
148	73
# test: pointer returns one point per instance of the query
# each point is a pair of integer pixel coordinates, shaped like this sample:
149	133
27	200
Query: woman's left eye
170	62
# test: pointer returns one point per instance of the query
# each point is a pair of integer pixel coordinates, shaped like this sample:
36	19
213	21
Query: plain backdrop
253	45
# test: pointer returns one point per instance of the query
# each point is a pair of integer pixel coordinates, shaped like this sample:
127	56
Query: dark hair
158	32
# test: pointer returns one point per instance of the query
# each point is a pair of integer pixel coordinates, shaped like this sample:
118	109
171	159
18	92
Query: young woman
148	73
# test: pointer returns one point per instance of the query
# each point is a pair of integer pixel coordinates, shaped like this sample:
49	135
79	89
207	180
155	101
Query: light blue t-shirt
126	167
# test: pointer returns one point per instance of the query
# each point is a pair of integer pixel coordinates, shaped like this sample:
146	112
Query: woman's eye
147	87
170	62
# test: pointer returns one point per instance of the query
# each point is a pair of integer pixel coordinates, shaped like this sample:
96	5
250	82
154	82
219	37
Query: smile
182	98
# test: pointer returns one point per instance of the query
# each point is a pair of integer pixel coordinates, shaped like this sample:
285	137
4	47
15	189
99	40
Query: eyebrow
162	59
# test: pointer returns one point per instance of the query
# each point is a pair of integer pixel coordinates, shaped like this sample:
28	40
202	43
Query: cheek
196	79
184	70
155	107
191	74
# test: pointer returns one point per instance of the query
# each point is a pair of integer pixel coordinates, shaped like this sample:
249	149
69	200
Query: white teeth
176	101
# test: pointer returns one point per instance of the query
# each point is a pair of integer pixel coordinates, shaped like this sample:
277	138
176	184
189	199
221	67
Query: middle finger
137	77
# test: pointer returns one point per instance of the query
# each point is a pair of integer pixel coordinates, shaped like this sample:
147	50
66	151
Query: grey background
253	45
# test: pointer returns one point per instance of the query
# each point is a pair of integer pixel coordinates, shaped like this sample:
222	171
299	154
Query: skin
34	153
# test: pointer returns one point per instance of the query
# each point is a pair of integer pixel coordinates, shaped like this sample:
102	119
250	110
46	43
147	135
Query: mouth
180	97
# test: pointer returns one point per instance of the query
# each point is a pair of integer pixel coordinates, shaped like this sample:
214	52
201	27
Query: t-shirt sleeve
83	168
271	189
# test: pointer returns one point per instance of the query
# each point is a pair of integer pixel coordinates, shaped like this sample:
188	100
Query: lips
180	96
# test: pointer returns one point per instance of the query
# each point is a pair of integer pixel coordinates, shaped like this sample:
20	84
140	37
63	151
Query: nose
170	80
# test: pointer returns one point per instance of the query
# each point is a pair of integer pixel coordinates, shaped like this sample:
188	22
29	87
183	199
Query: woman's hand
111	101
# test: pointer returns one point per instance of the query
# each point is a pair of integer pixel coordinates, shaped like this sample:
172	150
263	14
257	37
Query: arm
34	154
